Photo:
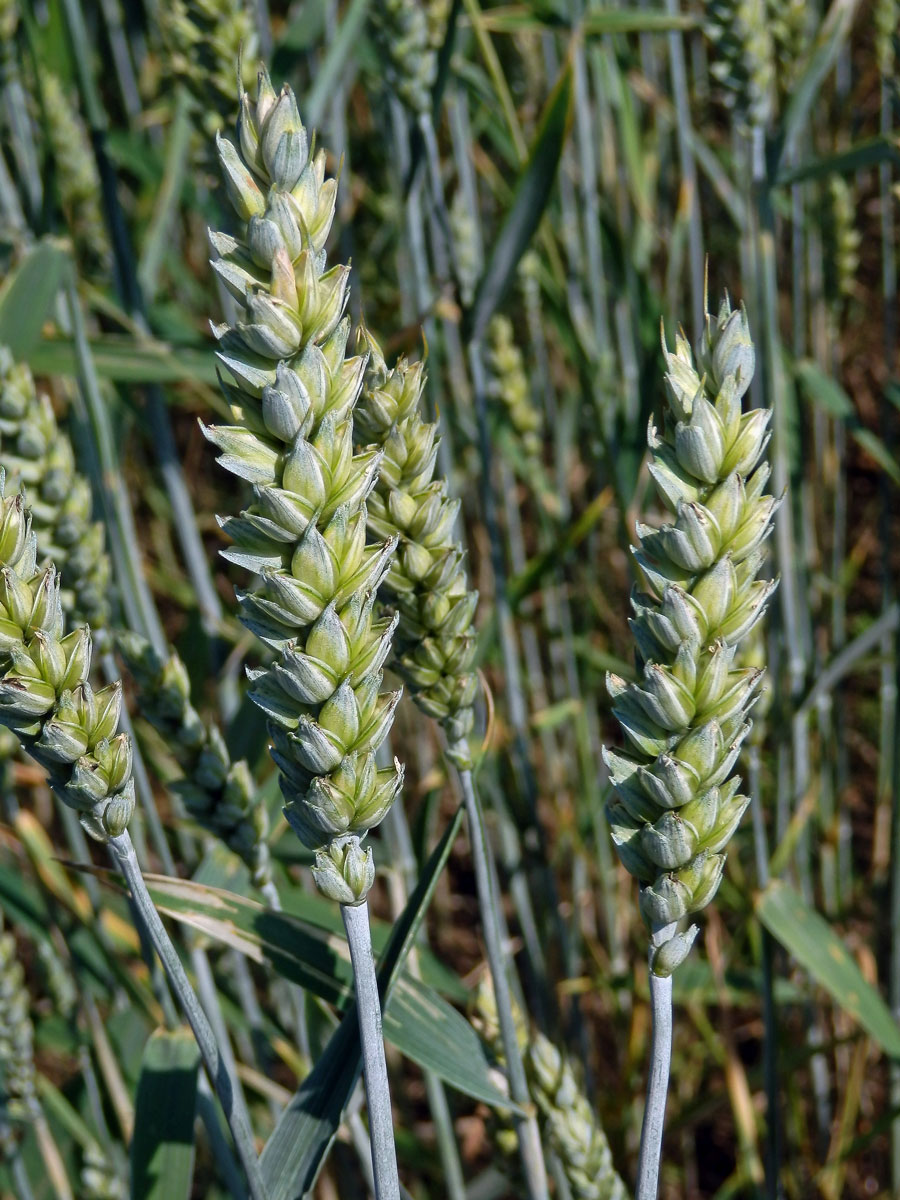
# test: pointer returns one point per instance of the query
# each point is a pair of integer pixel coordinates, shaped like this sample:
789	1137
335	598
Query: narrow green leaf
419	1022
822	57
305	946
632	20
298	1146
334	62
27	295
56	1105
439	1039
826	392
530	199
875	448
530	579
162	1150
843	162
125	361
823	390
811	940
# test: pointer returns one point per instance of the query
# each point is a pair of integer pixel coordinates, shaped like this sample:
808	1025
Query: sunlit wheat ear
426	583
677	800
46	698
202	40
569	1126
743	59
218	794
75	174
38	456
293	395
409	34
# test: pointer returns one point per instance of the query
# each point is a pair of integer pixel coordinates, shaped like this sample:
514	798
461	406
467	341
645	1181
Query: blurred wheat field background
467	298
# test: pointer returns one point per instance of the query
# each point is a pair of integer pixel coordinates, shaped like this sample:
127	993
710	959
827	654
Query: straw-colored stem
368	1011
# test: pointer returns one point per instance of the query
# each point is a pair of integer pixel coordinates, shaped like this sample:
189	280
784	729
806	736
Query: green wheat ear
743	61
426	583
569	1126
203	39
677	802
508	385
46	698
18	1093
304	533
409	34
38	456
75	175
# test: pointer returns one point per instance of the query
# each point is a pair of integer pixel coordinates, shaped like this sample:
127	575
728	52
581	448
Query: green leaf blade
162	1151
27	295
529	202
806	935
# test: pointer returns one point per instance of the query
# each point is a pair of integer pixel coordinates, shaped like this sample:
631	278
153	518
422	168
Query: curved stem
530	1149
368	1009
20	1178
235	1112
657	1088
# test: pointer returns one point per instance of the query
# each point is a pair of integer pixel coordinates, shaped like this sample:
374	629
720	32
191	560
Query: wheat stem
526	1124
368	1011
20	1178
235	1111
158	239
658	1082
